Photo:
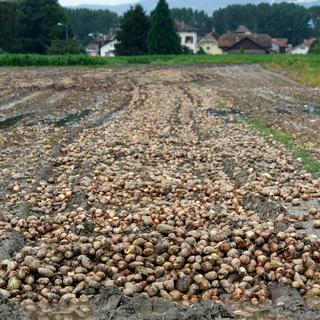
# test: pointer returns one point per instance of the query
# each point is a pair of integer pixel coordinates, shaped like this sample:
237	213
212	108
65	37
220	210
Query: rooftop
182	26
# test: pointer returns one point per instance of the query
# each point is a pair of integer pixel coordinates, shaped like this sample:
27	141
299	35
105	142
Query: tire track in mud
19	101
34	106
62	139
196	106
231	166
132	98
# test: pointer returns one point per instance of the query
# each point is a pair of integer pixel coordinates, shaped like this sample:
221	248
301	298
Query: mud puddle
223	112
312	110
229	116
283	110
11	121
72	118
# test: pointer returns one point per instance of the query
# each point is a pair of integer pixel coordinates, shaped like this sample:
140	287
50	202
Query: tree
195	18
163	37
315	20
315	48
86	21
8	26
132	37
38	24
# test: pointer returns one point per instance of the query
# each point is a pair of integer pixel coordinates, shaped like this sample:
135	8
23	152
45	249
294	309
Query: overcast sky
103	2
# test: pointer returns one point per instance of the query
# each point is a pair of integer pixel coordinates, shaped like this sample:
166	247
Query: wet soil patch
303	209
11	243
264	207
223	112
283	111
11	121
110	304
10	310
287	303
230	168
72	118
312	110
85	229
112	114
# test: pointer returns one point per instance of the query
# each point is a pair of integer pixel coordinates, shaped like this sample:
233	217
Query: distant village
241	40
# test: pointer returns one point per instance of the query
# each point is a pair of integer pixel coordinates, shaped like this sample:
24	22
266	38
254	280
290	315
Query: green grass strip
281	60
299	151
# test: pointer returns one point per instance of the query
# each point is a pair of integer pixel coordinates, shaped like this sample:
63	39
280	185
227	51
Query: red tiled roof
210	37
258	45
281	42
229	39
310	42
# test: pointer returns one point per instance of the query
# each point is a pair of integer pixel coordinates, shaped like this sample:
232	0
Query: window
189	39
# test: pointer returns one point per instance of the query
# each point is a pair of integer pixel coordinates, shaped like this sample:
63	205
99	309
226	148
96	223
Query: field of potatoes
121	185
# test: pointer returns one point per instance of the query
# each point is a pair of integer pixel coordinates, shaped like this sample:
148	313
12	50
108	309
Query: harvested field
121	185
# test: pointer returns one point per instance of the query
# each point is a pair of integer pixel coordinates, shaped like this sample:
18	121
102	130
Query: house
304	47
279	45
242	40
104	46
188	35
92	49
108	47
210	43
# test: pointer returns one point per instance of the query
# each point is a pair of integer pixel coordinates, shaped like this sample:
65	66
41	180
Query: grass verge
67	60
299	151
305	70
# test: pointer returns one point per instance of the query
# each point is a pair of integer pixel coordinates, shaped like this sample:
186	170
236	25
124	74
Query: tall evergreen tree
163	37
134	28
8	26
38	24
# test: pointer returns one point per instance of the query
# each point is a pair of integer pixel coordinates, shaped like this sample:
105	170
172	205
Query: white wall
192	46
108	49
275	48
302	49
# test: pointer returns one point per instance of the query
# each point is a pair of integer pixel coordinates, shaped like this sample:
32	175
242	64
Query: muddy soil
111	304
56	124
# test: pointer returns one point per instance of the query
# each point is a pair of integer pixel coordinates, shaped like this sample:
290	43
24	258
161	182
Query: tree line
282	20
39	26
36	26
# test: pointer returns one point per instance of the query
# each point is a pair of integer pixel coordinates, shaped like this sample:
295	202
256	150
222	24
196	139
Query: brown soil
47	114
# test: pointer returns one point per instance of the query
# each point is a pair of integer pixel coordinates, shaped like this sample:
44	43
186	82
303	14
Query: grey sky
101	2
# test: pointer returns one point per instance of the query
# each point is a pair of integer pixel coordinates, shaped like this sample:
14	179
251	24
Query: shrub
315	48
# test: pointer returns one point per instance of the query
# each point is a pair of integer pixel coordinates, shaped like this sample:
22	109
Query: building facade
188	35
210	44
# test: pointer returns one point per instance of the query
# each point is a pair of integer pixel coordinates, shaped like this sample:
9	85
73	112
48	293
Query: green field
302	68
